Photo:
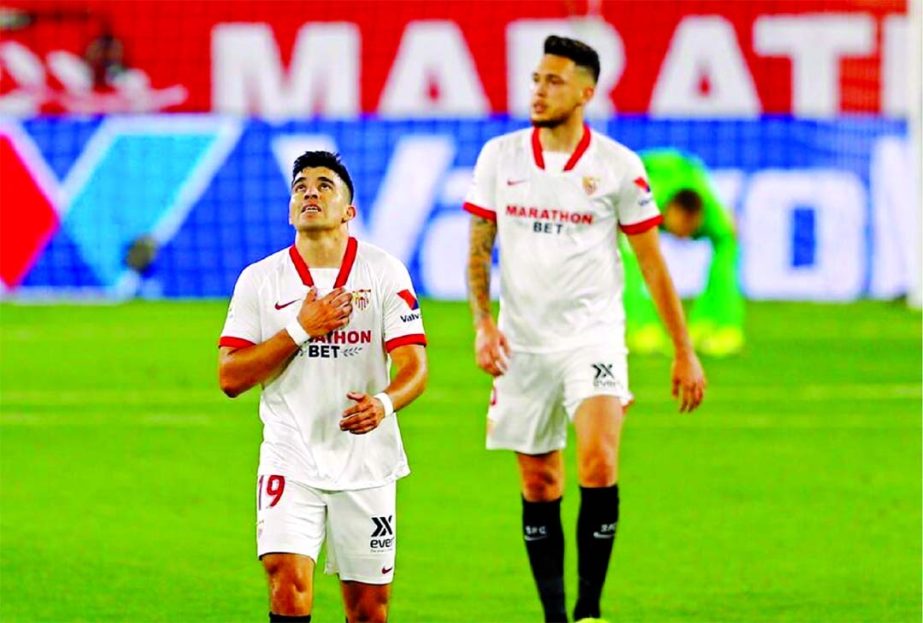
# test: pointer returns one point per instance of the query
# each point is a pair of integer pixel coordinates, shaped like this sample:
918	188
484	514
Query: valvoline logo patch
641	183
409	298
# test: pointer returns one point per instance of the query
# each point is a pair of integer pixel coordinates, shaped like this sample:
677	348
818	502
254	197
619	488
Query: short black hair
577	51
329	160
688	200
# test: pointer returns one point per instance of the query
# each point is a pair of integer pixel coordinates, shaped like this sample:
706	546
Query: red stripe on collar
581	148
349	258
346	266
537	149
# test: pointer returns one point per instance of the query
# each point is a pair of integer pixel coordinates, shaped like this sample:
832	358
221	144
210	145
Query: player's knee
542	484
289	585
597	467
370	609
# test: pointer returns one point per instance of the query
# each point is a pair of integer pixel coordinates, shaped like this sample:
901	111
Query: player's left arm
408	383
688	377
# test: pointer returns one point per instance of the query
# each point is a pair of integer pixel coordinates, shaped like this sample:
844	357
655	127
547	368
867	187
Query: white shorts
531	405
359	527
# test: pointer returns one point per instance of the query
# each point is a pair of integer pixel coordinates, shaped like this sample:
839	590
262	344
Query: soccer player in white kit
317	325
556	195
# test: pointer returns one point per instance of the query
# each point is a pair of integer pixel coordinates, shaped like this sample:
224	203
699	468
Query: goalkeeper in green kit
690	208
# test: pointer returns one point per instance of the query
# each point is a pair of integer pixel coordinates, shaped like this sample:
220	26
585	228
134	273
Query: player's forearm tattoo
481	245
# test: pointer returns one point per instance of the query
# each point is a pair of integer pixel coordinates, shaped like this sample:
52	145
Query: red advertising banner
809	58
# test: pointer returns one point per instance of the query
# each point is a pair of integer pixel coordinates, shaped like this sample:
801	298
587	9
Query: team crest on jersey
590	184
361	298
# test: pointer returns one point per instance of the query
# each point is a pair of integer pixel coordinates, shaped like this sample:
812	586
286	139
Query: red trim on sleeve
349	258
234	342
582	146
404	340
476	210
643	226
303	271
537	149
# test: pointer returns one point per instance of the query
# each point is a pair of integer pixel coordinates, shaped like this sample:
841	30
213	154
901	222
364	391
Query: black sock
599	513
304	618
544	537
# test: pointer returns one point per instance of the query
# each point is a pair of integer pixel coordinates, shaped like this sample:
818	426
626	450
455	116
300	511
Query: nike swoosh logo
387	569
284	305
603	535
515	182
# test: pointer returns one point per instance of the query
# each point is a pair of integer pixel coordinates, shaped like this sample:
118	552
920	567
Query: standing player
691	209
556	194
315	325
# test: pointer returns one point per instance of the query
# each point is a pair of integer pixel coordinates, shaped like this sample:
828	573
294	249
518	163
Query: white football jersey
560	270
302	407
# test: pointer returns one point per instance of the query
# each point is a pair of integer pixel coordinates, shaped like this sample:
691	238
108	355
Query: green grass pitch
793	495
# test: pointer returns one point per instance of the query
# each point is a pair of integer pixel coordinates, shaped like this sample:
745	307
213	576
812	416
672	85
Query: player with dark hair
556	196
317	325
691	209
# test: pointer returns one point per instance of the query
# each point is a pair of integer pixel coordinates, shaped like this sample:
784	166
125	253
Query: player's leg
291	586
525	416
365	603
598	424
290	532
361	546
595	394
542	478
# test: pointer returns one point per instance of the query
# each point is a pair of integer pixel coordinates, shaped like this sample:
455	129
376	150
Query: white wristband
385	401
297	332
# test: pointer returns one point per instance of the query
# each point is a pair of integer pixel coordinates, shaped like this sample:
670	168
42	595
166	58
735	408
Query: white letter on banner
433	54
248	76
838	200
895	56
704	49
815	44
895	222
524	39
407	193
443	256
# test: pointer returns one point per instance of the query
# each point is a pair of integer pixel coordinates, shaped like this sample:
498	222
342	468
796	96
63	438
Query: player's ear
588	92
349	214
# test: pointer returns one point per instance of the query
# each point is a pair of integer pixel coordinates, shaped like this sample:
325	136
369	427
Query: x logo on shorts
383	525
603	371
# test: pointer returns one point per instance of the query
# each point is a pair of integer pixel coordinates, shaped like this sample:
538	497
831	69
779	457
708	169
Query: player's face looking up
319	201
559	87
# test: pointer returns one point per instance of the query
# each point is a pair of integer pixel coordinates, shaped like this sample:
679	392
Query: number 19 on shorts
269	490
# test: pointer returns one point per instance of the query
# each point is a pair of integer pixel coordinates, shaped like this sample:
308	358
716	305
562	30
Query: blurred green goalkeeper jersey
670	171
720	305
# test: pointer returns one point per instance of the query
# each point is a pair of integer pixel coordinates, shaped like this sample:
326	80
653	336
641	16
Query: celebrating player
555	194
691	209
315	325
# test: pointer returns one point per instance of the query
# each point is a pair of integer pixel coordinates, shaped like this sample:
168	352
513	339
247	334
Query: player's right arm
240	368
490	345
491	350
